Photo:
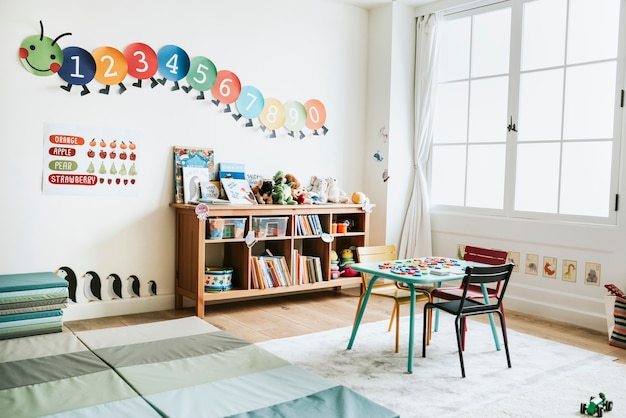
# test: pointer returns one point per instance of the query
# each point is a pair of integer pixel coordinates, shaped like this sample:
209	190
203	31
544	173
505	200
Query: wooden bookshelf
195	250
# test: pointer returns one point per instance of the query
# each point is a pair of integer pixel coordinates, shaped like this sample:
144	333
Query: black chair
464	307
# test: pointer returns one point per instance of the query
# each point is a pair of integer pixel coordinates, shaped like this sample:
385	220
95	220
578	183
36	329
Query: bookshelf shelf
195	251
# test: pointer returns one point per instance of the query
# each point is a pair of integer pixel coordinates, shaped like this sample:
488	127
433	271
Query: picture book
191	157
238	191
193	177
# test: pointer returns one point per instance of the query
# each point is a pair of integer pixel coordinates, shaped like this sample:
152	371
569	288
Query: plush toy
318	189
335	194
263	191
294	182
361	199
281	194
302	196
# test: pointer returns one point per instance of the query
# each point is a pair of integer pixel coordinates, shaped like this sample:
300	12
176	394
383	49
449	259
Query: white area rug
547	379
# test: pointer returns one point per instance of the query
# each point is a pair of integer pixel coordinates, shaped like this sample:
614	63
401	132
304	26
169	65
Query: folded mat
56	375
187	367
30	281
31	323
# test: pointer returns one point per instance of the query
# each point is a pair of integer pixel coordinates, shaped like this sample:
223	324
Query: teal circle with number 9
295	116
202	73
250	102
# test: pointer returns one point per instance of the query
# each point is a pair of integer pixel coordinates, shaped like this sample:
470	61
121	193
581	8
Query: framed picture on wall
549	267
592	273
532	261
569	271
514	257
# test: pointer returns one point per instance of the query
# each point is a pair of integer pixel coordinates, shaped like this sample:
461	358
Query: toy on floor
597	404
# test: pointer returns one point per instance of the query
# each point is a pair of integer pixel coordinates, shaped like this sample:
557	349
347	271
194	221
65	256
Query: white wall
316	50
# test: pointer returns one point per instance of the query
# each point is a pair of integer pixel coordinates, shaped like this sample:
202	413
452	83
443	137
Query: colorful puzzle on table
417	267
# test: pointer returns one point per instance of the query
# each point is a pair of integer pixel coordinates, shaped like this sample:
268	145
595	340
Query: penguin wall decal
69	275
115	286
133	286
152	288
93	286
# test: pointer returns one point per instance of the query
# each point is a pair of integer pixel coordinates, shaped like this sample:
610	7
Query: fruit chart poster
90	161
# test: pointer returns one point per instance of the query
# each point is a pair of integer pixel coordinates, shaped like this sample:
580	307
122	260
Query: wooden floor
285	316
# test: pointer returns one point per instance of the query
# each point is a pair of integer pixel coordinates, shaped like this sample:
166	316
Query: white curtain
416	240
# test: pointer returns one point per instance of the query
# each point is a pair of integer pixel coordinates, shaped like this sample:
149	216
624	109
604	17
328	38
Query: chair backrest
375	253
498	275
485	255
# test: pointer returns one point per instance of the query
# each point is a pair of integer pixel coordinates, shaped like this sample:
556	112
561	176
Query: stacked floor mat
31	304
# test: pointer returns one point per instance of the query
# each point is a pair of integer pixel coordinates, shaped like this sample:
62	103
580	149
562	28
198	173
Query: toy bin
217	279
270	227
226	227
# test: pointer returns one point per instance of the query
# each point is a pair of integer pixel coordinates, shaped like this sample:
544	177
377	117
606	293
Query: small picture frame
549	267
514	257
532	264
569	271
592	273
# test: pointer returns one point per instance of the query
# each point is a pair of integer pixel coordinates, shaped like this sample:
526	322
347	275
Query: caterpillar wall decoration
43	56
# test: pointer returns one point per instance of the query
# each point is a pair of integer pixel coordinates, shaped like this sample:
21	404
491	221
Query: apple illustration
103	154
109	181
132	181
125	181
101	180
122	155
133	156
91	154
112	154
117	181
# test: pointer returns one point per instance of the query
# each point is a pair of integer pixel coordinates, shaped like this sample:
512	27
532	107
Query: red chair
474	291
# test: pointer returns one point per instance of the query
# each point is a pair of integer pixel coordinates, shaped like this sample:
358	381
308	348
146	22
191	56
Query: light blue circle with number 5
250	102
295	116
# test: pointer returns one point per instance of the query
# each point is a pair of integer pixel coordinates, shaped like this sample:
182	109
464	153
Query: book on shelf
192	178
232	170
185	156
271	271
238	191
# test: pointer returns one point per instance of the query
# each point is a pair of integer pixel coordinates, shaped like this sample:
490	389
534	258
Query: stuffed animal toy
294	182
335	194
281	194
318	189
263	191
302	196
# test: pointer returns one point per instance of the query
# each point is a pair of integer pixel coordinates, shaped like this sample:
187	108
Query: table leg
411	334
491	321
355	327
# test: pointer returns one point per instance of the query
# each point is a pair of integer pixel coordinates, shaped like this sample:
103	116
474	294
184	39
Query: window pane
491	35
586	178
543	34
485	176
540	105
454	49
588	41
448	175
537	177
488	110
451	112
589	101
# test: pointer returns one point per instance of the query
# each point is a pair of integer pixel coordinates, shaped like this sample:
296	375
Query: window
528	116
